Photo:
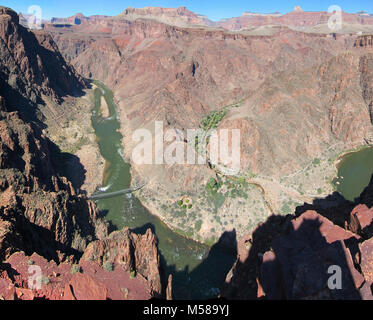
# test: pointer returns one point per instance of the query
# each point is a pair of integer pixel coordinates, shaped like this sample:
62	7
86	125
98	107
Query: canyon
301	96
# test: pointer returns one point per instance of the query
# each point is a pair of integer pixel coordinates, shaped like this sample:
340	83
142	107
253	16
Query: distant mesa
184	18
180	16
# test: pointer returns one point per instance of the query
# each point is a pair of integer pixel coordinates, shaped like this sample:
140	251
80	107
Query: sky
213	9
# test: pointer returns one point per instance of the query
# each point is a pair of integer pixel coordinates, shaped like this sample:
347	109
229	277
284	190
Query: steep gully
189	262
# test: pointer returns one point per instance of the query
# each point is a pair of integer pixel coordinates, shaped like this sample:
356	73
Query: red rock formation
366	249
364	41
29	278
32	60
169	295
77	19
182	73
361	221
40	213
137	253
185	18
35	200
175	16
297	268
301	253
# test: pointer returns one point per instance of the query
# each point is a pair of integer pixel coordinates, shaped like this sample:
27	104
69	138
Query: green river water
197	269
354	173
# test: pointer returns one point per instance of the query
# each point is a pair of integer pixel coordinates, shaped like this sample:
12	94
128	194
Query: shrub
133	274
44	280
30	262
316	161
76	269
198	225
109	266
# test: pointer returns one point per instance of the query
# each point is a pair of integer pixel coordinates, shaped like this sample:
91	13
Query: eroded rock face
361	221
33	277
41	212
174	16
136	253
301	253
29	66
298	266
183	17
364	41
41	209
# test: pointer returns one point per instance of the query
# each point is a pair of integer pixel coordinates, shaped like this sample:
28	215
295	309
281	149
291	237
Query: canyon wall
44	221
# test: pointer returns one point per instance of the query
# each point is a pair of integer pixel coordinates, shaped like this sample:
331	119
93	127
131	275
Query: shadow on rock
205	280
68	165
293	257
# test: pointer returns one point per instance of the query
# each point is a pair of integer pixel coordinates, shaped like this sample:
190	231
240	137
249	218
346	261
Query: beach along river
197	270
354	173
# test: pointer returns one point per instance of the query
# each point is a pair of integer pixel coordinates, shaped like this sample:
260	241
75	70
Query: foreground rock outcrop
297	267
137	253
30	278
296	258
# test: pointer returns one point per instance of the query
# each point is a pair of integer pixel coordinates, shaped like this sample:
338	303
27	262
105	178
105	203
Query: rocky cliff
295	257
137	253
174	16
37	202
29	64
43	217
35	278
364	41
40	205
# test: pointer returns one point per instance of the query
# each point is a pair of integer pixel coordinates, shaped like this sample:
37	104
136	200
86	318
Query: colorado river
354	173
197	271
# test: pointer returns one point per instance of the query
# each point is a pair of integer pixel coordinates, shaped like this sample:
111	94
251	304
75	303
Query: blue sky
214	9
